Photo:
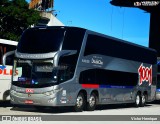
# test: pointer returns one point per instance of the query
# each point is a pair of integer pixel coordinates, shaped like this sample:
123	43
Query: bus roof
8	42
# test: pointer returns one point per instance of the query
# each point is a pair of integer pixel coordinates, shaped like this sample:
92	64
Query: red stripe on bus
90	85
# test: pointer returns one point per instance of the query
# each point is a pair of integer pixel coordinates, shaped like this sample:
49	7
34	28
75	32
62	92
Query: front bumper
33	99
34	96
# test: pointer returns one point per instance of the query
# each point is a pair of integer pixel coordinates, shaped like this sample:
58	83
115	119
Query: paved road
150	109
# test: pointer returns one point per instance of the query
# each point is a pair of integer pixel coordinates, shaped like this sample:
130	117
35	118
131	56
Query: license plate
28	102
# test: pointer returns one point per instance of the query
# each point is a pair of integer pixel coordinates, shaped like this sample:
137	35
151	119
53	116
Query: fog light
52	92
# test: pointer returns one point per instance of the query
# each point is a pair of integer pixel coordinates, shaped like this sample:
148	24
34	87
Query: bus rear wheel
143	100
80	103
137	100
92	102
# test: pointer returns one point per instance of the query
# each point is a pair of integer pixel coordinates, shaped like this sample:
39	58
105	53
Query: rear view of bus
69	66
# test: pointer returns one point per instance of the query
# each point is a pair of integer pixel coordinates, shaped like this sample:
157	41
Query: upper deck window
115	48
36	40
41	40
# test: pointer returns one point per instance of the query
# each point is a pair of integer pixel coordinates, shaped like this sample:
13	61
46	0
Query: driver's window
67	64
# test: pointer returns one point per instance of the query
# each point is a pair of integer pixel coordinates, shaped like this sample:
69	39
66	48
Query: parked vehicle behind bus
70	66
6	71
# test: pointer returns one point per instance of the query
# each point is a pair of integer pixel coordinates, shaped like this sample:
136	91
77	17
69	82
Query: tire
80	103
137	100
91	104
143	100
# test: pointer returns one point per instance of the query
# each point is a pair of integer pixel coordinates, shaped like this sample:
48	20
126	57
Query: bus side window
88	77
101	77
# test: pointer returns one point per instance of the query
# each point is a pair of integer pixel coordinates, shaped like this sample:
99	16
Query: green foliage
15	17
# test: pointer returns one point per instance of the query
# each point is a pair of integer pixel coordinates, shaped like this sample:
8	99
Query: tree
15	17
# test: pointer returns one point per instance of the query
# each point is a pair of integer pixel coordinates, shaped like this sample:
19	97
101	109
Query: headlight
49	93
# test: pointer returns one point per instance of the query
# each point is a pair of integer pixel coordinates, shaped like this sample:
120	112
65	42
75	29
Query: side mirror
6	55
63	53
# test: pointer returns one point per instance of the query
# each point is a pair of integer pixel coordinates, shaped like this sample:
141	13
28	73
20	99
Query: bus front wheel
92	102
80	103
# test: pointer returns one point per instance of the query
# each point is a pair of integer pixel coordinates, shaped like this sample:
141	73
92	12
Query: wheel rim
143	99
137	99
92	101
79	101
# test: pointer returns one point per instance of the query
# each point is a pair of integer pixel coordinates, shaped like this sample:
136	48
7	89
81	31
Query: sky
131	24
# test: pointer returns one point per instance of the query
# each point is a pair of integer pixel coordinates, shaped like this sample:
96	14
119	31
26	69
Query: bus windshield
35	41
39	73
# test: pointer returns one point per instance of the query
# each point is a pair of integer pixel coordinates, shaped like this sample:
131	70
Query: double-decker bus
6	71
70	66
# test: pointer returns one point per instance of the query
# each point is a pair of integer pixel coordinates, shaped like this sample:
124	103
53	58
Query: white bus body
6	71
